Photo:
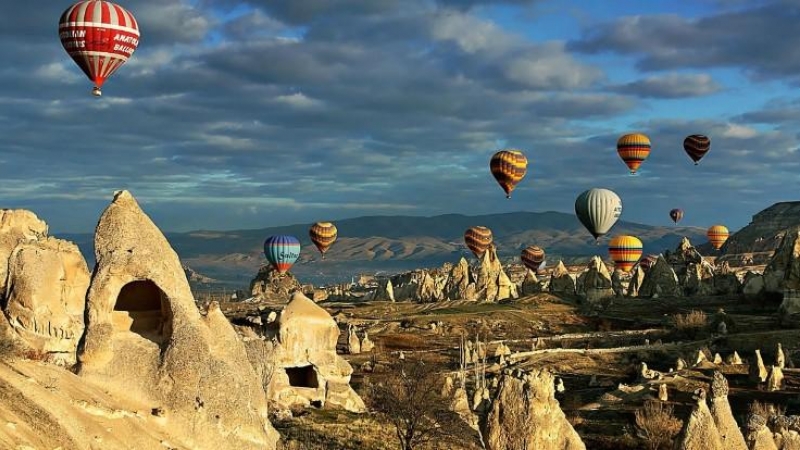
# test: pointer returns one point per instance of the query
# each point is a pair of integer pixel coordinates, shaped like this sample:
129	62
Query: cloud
760	40
671	86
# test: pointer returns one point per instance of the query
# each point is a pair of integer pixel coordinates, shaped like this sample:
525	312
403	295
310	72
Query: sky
248	114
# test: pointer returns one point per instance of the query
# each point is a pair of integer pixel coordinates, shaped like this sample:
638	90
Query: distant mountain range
373	244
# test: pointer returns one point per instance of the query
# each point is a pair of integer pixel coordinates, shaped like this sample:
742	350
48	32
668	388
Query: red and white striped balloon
100	36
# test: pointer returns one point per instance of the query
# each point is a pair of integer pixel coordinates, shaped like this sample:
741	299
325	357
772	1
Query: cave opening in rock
305	377
141	308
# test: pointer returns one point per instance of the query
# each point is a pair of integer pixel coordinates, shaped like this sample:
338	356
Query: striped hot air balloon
598	210
647	262
696	146
625	251
323	235
508	168
676	215
633	149
282	251
478	239
532	257
717	235
100	36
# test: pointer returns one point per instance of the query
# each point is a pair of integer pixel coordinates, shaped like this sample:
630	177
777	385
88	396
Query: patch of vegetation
656	426
472	308
691	324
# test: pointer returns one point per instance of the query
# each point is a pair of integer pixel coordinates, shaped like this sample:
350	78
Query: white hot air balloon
598	210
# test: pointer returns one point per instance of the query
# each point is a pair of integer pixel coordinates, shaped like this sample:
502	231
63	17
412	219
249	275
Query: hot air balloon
676	215
282	251
696	146
625	251
323	235
508	168
99	36
532	257
647	262
717	235
598	210
478	239
633	149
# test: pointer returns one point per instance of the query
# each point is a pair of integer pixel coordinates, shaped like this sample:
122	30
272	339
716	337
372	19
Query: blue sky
235	115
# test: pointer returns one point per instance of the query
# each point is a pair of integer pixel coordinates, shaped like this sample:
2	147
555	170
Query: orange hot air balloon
532	257
323	235
508	168
478	239
717	235
625	251
633	149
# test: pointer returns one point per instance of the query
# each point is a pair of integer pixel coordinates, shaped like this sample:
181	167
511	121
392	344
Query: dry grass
656	425
690	323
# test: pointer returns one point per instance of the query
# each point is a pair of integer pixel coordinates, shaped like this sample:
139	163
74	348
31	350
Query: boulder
146	338
307	369
660	281
561	282
45	297
525	414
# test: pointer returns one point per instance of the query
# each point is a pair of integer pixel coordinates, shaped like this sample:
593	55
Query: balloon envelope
282	251
323	235
633	149
696	146
625	251
478	239
598	210
532	257
100	36
717	235
647	262
676	215
508	168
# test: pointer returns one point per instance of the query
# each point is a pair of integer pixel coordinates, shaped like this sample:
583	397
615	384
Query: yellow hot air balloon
323	235
478	239
625	251
717	235
508	168
633	149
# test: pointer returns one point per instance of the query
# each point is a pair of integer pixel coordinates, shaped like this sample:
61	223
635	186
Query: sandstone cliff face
730	435
700	431
525	415
145	337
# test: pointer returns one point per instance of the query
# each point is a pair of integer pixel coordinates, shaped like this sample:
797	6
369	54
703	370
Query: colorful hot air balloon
99	36
717	235
625	251
598	210
647	262
508	168
633	149
282	251
478	239
696	146
323	235
532	257
676	215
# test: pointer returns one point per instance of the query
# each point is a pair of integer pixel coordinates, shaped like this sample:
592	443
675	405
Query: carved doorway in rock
142	308
302	377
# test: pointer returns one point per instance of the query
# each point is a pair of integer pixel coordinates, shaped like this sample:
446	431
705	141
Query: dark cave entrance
141	308
304	377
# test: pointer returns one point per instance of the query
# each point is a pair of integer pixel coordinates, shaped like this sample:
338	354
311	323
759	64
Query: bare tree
410	397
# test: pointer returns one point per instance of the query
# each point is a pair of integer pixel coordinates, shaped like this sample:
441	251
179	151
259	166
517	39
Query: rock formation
595	283
531	284
775	379
700	431
635	284
45	297
561	282
366	344
660	281
384	293
759	437
757	371
753	284
307	369
145	337
460	284
269	284
525	414
730	435
353	343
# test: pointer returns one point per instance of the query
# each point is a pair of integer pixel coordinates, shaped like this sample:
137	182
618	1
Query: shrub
656	426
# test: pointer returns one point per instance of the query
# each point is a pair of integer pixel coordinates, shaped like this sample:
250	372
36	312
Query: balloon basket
97	92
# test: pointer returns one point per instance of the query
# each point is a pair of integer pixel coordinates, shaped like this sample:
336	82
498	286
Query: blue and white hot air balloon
282	251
